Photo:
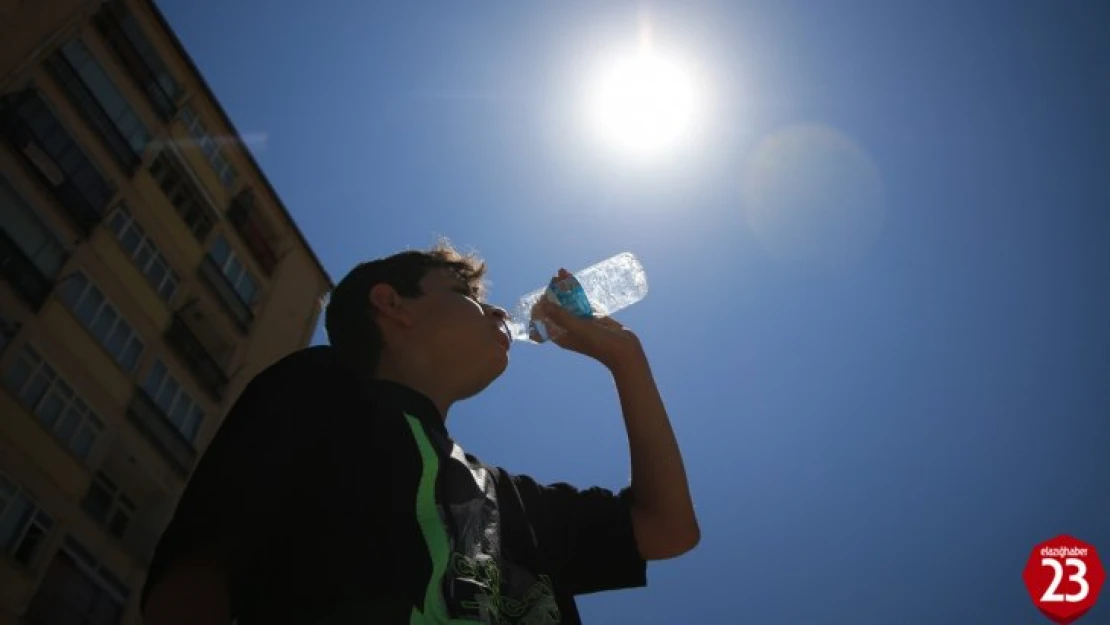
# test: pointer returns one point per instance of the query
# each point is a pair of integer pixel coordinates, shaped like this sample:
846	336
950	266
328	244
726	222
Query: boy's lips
504	336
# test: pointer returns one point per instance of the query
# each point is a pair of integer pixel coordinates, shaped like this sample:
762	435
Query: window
47	145
30	253
150	55
184	194
245	284
144	253
105	503
100	101
24	526
79	590
138	55
181	409
254	230
211	146
30	234
103	321
43	392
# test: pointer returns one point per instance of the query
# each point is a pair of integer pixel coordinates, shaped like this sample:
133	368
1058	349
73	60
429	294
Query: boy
333	493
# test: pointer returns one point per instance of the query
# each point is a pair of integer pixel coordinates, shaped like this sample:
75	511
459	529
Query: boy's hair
349	318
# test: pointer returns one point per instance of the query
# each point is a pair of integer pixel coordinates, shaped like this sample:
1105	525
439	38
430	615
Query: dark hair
349	318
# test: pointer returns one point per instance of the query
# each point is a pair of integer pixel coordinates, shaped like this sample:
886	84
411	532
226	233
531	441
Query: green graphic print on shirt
471	583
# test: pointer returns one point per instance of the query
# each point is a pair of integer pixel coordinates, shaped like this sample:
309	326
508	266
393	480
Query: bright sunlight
645	102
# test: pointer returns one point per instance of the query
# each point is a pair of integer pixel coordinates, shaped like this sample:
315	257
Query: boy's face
466	337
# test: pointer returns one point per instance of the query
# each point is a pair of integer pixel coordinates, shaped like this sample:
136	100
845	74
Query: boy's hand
601	338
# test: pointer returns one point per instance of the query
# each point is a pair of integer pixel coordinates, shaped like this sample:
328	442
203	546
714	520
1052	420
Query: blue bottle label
569	294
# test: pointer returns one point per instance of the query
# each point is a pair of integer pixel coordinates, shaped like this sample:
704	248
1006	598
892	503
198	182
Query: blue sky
879	271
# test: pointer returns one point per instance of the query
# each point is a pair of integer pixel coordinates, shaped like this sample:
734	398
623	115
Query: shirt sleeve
585	534
232	503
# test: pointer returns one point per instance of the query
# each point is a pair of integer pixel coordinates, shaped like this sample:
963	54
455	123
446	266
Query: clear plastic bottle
602	289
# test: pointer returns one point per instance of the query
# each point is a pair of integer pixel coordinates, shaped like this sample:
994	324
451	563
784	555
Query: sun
643	102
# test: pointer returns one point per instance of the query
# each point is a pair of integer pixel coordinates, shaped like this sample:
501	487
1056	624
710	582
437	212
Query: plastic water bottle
602	289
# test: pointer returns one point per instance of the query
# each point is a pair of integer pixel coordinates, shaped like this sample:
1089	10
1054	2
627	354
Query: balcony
248	223
210	272
85	101
29	283
48	150
192	204
139	58
197	357
148	417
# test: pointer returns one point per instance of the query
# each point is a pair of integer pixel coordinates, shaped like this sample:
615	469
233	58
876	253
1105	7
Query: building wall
143	451
29	28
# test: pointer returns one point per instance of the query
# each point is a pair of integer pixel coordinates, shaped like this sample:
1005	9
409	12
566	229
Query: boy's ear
388	304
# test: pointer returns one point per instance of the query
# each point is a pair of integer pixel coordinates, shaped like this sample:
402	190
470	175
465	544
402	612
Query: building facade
147	271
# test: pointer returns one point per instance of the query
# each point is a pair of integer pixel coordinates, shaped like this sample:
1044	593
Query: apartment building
147	271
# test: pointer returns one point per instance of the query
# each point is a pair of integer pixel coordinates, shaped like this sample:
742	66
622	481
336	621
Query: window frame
118	503
189	419
76	302
129	225
88	84
71	403
246	273
214	154
37	516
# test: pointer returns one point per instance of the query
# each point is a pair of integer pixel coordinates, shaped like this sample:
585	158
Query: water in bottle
602	289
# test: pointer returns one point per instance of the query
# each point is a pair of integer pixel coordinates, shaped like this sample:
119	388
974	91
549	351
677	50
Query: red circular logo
1064	576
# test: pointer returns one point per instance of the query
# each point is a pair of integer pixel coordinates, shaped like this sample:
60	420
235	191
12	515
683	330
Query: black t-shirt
336	501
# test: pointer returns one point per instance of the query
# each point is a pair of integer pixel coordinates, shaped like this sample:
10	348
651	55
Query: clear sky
879	265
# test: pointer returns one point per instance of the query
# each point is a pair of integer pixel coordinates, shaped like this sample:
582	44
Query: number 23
1051	596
